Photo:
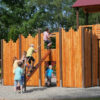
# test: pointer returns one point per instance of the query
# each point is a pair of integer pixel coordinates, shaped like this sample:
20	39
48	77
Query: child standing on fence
29	56
49	74
46	38
17	78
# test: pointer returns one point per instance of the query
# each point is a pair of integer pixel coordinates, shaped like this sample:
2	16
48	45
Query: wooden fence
76	56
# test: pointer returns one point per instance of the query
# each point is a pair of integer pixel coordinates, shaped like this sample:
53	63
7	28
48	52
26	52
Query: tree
26	16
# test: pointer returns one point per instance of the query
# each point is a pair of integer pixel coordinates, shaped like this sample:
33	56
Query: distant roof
84	3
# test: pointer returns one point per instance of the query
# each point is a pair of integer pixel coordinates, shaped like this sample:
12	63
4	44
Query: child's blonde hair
31	45
50	66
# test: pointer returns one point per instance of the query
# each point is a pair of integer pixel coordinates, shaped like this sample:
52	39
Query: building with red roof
89	6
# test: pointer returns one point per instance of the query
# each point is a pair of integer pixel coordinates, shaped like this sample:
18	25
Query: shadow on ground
41	89
35	89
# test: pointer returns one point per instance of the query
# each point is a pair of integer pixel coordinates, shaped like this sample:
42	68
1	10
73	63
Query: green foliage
26	16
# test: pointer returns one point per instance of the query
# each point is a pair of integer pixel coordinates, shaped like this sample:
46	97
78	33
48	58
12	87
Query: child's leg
29	61
15	85
49	44
21	85
48	82
33	61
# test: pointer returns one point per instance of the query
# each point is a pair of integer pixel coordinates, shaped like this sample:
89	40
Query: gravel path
52	93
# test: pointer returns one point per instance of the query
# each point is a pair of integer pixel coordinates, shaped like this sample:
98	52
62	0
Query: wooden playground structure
76	55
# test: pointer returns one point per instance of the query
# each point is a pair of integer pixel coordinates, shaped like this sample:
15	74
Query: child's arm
19	61
35	51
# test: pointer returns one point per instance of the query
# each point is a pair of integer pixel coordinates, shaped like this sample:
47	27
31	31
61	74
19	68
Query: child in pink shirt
46	38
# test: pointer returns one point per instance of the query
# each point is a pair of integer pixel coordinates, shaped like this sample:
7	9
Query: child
29	56
23	58
17	78
46	38
24	61
15	63
49	74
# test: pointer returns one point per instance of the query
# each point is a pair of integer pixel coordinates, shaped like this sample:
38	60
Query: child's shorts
30	59
47	41
22	78
18	81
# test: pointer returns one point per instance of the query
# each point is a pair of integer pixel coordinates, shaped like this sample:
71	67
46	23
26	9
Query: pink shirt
45	35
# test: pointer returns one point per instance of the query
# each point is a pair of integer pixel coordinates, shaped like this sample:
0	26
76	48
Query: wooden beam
83	58
91	9
2	61
86	19
60	54
20	47
39	53
77	17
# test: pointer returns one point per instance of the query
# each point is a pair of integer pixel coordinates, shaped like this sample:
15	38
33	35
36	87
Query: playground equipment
76	57
37	65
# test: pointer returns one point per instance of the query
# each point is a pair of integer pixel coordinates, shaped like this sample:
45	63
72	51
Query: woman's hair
14	58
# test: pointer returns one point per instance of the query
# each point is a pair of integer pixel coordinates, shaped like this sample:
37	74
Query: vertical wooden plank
43	64
63	59
80	57
83	60
88	68
95	56
39	53
99	62
2	61
20	46
57	60
60	54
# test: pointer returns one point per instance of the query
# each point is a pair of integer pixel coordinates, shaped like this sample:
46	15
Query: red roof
83	3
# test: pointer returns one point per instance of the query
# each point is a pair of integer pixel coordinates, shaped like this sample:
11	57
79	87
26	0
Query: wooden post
20	54
86	20
20	46
91	60
60	54
77	17
2	62
83	56
39	53
98	81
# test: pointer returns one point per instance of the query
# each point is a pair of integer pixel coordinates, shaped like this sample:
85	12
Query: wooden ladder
38	65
